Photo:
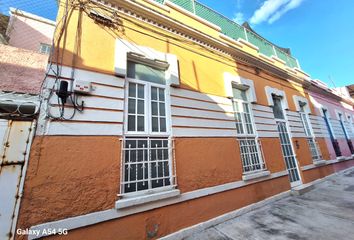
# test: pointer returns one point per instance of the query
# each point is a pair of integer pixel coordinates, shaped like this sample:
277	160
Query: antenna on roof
330	79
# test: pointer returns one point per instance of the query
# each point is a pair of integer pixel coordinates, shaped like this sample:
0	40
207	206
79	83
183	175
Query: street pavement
324	213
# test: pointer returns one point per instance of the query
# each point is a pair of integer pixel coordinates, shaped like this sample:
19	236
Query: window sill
251	176
130	202
320	162
340	159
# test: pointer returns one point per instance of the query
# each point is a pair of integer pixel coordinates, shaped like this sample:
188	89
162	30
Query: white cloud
239	18
239	4
272	10
291	5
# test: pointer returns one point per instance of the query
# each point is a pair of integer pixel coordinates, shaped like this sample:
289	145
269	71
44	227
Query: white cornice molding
208	41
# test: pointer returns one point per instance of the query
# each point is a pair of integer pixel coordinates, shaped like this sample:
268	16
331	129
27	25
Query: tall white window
147	148
347	137
285	141
314	148
331	134
250	147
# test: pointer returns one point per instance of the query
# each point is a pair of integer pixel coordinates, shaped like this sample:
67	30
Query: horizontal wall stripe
90	108
192	122
89	115
257	107
295	124
263	114
261	120
292	114
96	102
177	101
91	76
268	128
294	119
298	135
86	129
199	96
200	132
102	90
266	134
182	111
106	85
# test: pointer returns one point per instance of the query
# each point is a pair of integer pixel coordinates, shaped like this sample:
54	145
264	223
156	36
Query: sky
320	33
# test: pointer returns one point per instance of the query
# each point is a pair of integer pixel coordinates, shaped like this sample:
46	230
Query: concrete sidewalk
325	213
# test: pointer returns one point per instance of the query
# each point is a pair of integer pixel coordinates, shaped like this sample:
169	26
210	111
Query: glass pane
154	109
131	105
162	109
236	107
153	93
161	95
239	94
162	124
131	123
146	73
132	89
246	108
140	106
141	124
277	108
155	124
141	91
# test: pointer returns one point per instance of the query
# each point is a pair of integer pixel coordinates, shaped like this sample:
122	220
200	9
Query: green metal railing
234	30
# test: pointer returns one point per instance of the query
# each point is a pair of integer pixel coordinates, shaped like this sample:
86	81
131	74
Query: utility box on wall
83	87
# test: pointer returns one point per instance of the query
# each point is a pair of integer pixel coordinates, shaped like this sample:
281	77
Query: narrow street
325	213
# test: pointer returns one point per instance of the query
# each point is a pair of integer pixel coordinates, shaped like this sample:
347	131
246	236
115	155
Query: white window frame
284	105
142	196
124	47
243	120
304	116
46	46
328	117
147	109
249	91
149	191
350	122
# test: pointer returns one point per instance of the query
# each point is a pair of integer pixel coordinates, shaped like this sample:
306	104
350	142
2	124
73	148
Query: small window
313	145
277	108
146	73
45	48
239	94
242	112
146	99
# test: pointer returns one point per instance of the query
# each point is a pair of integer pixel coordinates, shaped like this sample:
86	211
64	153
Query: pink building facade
29	31
336	121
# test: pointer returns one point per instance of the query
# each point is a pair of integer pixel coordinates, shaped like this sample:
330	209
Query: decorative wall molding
280	93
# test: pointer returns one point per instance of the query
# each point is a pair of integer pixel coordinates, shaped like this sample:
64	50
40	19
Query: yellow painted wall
200	69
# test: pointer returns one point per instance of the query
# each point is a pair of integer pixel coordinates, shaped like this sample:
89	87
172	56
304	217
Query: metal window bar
287	151
315	149
251	155
313	145
147	163
243	117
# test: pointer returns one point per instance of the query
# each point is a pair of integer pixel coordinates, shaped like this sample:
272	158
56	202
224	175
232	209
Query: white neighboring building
29	31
